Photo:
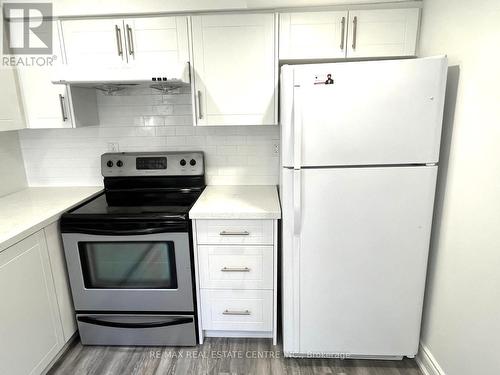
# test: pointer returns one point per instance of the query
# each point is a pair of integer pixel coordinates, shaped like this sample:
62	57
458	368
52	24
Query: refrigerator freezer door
353	278
370	113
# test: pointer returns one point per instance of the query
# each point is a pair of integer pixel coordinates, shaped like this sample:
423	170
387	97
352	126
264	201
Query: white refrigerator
360	146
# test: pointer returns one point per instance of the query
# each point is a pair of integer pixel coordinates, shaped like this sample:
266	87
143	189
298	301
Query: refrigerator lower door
354	274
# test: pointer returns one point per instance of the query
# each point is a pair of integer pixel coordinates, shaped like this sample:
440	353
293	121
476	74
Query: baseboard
343	356
427	363
63	351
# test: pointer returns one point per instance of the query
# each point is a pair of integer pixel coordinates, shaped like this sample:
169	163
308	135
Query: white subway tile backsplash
182	109
146	120
195	141
176	141
153	120
165	131
184	130
176	99
227	150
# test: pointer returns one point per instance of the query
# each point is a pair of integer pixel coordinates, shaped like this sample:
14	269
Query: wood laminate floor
215	356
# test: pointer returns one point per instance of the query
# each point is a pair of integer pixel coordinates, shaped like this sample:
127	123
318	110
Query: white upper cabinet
92	42
235	69
46	105
11	114
160	41
313	35
154	41
383	32
349	34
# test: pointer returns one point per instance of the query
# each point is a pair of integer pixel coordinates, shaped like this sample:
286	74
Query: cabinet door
156	42
96	42
313	35
235	69
11	113
46	105
30	330
383	32
61	281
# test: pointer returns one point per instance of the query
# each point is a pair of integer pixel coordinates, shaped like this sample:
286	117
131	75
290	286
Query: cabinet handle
200	114
236	312
342	35
130	40
235	269
118	35
226	233
354	31
63	110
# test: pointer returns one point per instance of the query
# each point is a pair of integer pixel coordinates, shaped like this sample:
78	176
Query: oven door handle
114	232
105	323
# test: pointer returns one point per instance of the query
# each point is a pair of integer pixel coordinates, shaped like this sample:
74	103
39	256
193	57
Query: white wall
12	176
145	120
461	320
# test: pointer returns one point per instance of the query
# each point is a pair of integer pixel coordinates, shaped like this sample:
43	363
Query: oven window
128	265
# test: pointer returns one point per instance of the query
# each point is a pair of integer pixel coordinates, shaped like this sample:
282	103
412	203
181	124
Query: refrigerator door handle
297	128
297	201
297	158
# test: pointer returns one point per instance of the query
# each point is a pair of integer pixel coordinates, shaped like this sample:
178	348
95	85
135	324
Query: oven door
132	273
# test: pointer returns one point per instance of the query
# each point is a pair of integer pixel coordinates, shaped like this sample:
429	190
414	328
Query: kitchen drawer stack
236	277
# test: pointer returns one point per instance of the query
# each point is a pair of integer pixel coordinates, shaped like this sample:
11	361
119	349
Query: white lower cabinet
237	310
30	330
236	267
236	273
61	281
235	232
35	318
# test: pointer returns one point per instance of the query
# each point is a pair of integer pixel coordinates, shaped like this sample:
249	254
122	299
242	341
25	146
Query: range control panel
123	164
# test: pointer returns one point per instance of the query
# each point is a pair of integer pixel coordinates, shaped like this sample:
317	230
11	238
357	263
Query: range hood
110	80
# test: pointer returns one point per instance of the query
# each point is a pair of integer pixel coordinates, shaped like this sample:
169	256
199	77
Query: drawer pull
242	233
236	312
235	269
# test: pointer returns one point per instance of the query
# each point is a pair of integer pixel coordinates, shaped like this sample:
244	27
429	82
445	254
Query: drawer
214	232
125	329
236	267
237	310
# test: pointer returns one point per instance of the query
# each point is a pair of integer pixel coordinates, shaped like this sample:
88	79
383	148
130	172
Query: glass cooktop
99	206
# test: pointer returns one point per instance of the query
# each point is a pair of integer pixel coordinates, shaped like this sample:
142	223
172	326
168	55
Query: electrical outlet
276	148
113	147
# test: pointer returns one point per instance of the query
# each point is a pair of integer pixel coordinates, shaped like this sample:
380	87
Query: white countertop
237	202
27	211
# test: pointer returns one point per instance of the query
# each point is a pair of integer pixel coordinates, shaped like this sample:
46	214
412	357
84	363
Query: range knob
109	163
119	163
182	162
192	162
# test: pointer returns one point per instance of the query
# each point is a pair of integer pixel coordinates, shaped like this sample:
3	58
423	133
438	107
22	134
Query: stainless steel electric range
129	251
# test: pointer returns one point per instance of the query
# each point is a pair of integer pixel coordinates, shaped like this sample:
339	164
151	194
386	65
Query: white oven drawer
214	232
237	310
236	267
